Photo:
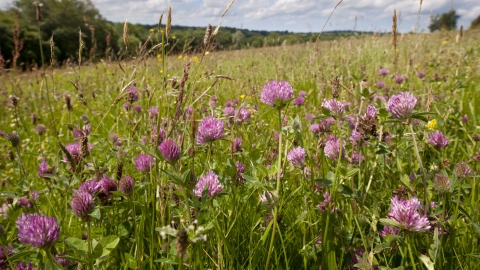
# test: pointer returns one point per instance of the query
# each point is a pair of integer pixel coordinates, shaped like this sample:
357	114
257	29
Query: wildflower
106	186
380	84
170	150
296	156
441	183
356	137
462	169
126	106
213	102
332	148
80	133
432	124
210	179
401	106
336	108
399	79
438	140
126	185
40	129
74	150
43	169
153	112
24	266
464	118
63	262
228	104
240	169
5	252
137	108
383	72
132	94
421	74
299	101
274	90
389	231
13	138
144	163
323	206
91	186
82	204
243	115
157	135
315	128
37	231
237	145
406	213
371	112
357	158
309	117
209	130
302	93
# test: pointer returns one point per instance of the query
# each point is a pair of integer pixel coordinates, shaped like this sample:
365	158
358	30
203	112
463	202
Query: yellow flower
174	37
161	71
432	125
195	59
444	42
252	111
242	96
180	56
75	105
151	30
207	52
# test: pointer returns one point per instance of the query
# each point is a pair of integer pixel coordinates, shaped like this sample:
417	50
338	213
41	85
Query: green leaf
352	172
21	255
435	246
166	260
106	245
428	263
72	258
477	228
390	222
95	214
131	262
324	182
78	245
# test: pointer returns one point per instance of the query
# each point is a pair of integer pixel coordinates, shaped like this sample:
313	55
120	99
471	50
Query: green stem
89	245
20	162
411	254
275	210
420	164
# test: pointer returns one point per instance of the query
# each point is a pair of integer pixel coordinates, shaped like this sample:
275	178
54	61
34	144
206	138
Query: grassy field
138	176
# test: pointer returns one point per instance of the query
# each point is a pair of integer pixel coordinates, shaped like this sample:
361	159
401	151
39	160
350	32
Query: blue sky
291	15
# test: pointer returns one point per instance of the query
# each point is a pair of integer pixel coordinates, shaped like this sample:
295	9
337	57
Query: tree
445	21
475	23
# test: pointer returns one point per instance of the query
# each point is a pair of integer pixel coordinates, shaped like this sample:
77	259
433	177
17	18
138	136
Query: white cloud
292	15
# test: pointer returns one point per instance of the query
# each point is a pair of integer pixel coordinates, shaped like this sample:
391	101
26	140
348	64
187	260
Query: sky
290	15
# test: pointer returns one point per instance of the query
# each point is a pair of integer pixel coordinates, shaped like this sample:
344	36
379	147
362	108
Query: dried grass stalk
52	52
169	22
228	7
208	34
160	22
125	34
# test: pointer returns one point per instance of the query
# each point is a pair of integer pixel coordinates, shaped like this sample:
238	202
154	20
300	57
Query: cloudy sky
291	15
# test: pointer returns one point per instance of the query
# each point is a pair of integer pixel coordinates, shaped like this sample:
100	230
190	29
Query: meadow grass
328	213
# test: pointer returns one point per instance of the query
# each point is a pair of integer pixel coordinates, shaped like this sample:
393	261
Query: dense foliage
343	154
445	21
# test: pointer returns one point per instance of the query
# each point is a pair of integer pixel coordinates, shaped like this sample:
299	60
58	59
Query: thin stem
89	244
20	162
275	210
420	164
